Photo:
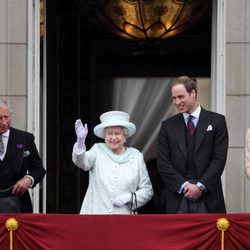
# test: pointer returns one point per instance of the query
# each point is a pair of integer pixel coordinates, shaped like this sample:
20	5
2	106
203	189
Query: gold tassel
222	225
11	225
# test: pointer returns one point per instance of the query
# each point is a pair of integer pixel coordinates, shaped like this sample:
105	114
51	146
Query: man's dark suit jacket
210	153
24	160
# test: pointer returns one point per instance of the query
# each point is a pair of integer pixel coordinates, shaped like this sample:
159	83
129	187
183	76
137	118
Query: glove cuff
80	147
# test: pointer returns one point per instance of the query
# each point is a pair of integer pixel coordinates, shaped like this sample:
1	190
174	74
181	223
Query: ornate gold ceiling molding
144	19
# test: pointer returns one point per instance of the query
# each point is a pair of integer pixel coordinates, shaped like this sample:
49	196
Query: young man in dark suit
192	152
21	167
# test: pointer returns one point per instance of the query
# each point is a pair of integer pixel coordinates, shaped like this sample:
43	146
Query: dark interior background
79	57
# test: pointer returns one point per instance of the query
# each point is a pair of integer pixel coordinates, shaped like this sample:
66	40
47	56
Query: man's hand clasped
192	192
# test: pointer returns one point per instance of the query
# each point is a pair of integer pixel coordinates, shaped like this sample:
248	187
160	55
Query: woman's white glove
122	200
81	134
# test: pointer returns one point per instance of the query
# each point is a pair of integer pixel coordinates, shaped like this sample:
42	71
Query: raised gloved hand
122	200
81	134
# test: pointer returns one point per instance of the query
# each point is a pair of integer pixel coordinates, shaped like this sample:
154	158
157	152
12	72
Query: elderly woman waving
115	171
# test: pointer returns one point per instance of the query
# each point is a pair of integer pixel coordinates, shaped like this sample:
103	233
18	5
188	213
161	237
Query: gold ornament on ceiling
145	19
41	18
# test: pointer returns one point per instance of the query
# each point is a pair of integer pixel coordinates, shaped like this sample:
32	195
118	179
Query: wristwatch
201	187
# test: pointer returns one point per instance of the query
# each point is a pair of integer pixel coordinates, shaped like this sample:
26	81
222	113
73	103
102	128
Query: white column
218	67
33	103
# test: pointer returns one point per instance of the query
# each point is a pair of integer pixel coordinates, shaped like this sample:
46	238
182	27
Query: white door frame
35	104
218	62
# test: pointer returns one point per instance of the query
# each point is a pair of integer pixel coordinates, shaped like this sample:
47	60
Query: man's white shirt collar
195	114
6	134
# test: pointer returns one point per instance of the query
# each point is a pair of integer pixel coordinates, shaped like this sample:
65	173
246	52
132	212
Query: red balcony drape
140	232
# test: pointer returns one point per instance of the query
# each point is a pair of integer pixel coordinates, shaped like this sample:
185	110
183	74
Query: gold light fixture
41	18
145	19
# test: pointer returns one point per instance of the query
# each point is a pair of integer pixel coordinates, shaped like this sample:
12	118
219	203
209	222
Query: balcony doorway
90	71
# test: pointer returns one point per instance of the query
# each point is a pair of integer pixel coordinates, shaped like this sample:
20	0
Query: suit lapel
17	145
180	133
201	129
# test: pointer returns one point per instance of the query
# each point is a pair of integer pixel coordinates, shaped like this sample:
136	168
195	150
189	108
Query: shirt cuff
201	186
180	190
32	179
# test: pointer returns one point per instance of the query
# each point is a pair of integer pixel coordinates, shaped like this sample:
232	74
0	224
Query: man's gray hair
4	103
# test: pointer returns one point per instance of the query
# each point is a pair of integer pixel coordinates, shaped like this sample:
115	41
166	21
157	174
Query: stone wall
13	58
237	102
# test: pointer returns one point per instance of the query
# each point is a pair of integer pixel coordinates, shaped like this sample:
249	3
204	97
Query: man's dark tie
1	146
190	125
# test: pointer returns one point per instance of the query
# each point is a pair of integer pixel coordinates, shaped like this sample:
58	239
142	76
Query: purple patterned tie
190	125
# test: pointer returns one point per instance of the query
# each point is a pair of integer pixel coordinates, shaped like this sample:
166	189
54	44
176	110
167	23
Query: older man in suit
192	152
21	167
